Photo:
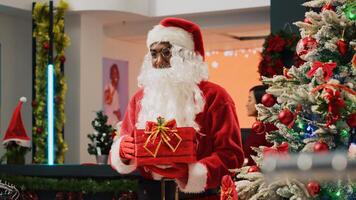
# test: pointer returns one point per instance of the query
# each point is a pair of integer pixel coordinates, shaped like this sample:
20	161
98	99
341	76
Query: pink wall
237	74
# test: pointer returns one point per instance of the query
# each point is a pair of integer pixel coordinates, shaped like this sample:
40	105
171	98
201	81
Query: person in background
111	97
256	139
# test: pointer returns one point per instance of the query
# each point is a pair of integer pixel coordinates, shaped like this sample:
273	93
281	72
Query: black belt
206	193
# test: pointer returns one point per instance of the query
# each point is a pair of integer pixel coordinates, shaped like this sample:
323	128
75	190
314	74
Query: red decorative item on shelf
286	117
320	147
305	46
351	120
313	188
253	168
307	20
46	45
258	127
328	6
162	143
268	100
342	47
353	61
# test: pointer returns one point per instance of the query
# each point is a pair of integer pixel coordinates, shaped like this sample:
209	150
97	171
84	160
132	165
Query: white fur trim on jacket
174	35
116	162
197	179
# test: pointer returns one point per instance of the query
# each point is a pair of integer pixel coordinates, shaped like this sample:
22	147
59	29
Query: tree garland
278	52
74	185
61	41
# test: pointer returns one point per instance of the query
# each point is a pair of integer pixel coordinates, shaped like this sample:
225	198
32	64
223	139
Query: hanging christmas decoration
39	130
326	67
305	46
61	40
285	73
286	117
342	47
34	104
307	20
46	45
253	168
335	103
328	6
351	120
258	127
280	150
320	147
313	188
62	58
268	100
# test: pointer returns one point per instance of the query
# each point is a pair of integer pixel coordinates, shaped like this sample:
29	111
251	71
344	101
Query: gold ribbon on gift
165	132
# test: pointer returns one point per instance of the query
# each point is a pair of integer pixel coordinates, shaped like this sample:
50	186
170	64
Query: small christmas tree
101	139
315	107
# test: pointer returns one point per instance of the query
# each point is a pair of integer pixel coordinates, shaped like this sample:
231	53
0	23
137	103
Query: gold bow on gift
164	132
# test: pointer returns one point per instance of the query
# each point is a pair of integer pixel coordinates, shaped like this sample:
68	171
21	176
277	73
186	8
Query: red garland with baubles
278	52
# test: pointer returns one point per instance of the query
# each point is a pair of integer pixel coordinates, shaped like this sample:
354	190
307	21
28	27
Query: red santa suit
219	140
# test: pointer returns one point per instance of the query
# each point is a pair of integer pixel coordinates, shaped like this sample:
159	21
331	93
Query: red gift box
162	143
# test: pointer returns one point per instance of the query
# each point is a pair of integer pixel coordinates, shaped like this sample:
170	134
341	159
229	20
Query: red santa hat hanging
16	131
179	32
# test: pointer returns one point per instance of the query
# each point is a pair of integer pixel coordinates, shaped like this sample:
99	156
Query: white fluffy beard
173	93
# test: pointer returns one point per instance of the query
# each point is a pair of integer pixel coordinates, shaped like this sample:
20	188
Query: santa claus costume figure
174	85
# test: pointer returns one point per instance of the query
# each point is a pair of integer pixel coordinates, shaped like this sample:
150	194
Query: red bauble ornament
305	46
39	130
62	58
342	47
307	20
46	45
34	104
258	127
286	117
57	99
253	168
320	147
351	120
313	188
268	100
328	6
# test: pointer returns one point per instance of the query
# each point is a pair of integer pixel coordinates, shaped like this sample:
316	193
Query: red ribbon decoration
327	69
161	132
335	103
341	87
279	150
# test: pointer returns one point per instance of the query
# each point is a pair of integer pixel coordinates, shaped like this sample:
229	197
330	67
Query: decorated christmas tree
101	139
313	105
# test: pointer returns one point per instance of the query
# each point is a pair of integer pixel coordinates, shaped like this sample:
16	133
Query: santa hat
179	32
16	131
